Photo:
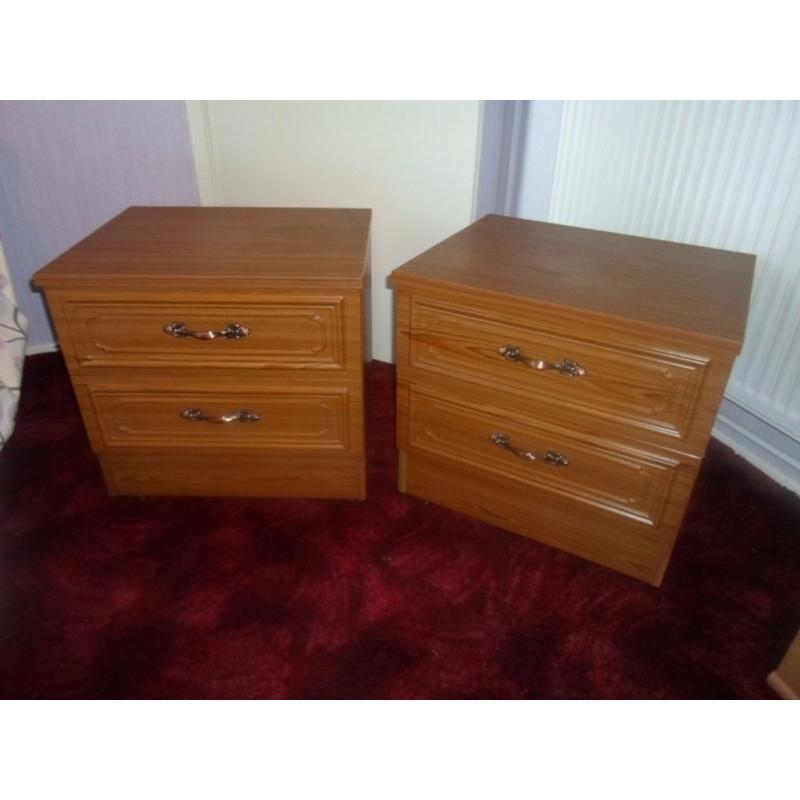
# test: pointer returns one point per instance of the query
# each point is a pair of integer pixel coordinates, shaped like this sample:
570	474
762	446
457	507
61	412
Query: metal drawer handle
550	457
196	415
233	330
566	366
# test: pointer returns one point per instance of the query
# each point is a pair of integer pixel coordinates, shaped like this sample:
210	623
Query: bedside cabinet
562	383
220	351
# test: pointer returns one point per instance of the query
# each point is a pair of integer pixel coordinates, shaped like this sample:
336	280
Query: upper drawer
628	383
280	332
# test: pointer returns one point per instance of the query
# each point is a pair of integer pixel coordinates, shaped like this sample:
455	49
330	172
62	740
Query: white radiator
715	173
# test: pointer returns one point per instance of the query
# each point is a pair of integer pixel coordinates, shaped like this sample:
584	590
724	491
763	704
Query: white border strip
780	466
45	347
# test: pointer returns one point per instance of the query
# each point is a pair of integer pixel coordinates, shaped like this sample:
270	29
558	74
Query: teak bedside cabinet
220	351
562	383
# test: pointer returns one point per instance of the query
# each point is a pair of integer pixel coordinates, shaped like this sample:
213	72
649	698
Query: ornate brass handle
550	457
566	366
196	415
233	330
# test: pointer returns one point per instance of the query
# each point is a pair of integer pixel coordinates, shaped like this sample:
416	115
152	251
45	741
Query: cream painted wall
413	163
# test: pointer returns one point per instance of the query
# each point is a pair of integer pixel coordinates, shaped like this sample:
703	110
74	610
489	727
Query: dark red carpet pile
391	598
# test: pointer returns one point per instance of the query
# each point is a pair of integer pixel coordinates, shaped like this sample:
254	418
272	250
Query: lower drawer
608	479
514	506
608	502
300	419
204	474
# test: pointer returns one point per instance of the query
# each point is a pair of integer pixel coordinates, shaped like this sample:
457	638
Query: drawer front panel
650	389
287	333
510	504
634	485
290	420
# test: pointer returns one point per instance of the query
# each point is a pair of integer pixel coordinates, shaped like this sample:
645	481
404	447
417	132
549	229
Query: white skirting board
764	446
44	347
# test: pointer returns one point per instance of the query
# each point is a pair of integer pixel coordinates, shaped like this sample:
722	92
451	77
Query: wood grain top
692	289
263	245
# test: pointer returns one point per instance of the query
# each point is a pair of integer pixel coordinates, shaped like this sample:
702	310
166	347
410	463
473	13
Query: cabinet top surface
314	245
692	289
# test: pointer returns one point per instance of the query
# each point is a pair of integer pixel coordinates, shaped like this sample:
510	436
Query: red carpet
392	598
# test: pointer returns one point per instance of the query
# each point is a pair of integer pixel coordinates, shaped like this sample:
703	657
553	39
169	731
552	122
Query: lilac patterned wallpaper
66	167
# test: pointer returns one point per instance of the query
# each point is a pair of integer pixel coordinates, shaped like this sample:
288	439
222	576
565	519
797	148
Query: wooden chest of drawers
562	383
220	351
